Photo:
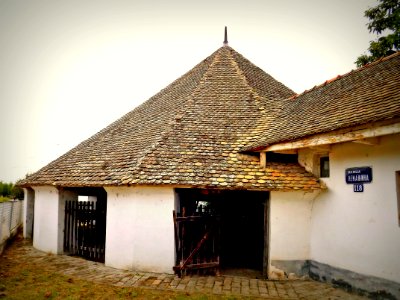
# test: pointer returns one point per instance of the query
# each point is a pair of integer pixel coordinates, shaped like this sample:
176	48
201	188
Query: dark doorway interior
241	215
242	230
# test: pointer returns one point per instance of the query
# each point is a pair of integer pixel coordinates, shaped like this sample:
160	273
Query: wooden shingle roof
365	95
189	134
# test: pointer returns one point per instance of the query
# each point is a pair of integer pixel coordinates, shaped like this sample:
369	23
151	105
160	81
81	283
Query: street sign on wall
358	176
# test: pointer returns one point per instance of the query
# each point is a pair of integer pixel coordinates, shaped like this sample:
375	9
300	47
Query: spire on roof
226	37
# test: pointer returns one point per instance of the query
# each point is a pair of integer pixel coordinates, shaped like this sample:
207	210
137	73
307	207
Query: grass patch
4	199
37	283
21	278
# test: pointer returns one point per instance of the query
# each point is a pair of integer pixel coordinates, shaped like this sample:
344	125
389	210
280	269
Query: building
227	168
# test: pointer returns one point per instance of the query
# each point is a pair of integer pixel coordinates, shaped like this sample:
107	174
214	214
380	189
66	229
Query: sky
69	68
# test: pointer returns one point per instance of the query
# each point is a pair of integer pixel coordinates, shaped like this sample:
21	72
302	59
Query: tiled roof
368	94
189	134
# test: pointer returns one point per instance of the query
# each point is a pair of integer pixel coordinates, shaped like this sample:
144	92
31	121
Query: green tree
5	189
384	19
17	192
9	190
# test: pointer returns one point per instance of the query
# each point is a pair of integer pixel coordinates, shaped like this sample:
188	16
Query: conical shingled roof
189	134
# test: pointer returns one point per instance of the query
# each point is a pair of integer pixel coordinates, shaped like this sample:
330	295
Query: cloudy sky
68	68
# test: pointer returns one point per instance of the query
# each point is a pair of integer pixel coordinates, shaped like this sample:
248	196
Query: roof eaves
353	133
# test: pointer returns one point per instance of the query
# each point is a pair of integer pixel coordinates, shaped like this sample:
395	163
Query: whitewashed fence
10	220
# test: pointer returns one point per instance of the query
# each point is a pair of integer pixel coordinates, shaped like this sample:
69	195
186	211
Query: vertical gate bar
77	237
88	229
65	226
81	227
94	241
84	228
70	235
67	229
74	227
68	226
88	232
102	227
71	228
88	237
96	230
87	244
78	227
91	230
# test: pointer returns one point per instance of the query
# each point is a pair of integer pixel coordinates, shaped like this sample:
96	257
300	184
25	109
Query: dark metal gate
85	229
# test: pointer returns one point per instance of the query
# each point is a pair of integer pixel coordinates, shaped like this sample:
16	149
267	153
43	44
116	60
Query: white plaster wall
360	231
140	230
290	225
49	213
46	226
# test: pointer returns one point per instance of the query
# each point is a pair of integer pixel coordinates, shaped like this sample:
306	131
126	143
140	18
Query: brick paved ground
227	285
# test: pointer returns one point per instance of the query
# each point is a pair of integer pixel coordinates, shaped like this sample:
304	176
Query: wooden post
263	159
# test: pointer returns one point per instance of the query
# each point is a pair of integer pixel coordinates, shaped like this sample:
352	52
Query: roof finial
226	37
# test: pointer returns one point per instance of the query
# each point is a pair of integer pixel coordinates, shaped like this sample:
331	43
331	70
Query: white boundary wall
360	231
140	229
10	220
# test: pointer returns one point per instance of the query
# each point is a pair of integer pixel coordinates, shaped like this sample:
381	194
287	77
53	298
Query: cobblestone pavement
219	285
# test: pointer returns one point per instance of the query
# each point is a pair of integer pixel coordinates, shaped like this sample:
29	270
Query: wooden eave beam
336	137
371	141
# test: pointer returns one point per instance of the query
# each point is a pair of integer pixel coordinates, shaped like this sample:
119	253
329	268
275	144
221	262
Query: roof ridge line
256	96
340	76
169	128
178	116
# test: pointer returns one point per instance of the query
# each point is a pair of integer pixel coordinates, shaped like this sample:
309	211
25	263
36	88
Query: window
324	166
398	194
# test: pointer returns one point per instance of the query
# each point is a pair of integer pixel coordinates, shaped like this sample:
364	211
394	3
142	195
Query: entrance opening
85	223
29	213
242	231
240	217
